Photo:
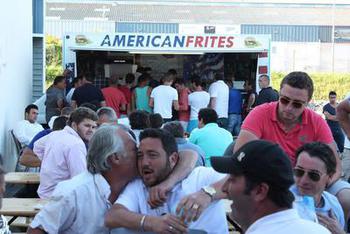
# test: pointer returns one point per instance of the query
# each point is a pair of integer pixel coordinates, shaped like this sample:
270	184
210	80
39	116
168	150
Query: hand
158	194
166	224
331	223
191	207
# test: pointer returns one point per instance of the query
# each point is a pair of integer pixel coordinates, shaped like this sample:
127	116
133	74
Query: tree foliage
53	58
323	84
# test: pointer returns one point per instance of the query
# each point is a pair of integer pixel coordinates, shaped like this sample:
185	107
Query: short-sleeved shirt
127	94
53	95
212	139
285	222
334	125
68	211
267	95
63	156
330	203
163	97
235	102
262	122
114	98
88	93
220	91
198	100
212	220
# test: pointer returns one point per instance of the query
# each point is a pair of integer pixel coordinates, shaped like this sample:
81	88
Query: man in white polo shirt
164	97
156	157
219	95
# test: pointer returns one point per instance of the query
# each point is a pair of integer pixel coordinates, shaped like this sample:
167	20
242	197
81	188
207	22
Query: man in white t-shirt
156	158
26	129
197	100
164	97
219	96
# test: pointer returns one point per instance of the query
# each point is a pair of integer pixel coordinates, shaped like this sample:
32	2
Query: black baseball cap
259	160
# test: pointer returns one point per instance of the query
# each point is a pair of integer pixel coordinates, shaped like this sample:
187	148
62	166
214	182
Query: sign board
209	29
167	43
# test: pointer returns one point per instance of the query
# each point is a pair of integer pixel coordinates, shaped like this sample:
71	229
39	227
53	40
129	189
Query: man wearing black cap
260	177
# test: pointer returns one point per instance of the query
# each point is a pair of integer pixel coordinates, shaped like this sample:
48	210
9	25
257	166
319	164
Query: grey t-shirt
53	95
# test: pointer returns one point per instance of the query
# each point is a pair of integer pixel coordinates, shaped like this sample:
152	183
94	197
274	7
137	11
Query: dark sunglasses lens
298	172
284	101
297	105
314	176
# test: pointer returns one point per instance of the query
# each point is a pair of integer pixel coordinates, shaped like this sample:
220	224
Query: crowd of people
162	158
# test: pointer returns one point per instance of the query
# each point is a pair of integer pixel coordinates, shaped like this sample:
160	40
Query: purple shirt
63	155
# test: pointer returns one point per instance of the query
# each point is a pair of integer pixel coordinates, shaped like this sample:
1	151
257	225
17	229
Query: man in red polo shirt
288	121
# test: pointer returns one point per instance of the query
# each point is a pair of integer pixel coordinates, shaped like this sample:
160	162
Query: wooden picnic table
21	207
22	178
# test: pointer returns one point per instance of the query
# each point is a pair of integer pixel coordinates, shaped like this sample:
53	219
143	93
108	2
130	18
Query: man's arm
338	171
243	138
176	104
212	103
151	102
119	216
190	212
186	163
343	110
330	116
29	159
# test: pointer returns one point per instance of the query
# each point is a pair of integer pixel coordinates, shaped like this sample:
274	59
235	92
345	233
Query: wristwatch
210	191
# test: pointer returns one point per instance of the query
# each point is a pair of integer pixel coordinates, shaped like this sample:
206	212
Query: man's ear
260	192
173	158
114	159
74	125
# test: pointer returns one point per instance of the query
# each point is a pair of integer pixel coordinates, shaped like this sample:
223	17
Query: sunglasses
314	176
296	104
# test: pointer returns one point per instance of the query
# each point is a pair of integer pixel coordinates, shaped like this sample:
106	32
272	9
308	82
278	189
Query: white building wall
15	70
310	57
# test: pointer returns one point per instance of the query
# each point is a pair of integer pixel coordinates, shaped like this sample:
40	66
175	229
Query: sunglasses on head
314	176
296	104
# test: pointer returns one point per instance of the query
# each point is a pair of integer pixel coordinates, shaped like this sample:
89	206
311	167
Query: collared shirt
77	205
212	139
285	222
330	203
213	218
25	131
63	155
262	121
184	144
220	91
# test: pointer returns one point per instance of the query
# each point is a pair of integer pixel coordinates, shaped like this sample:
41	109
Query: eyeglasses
296	104
314	176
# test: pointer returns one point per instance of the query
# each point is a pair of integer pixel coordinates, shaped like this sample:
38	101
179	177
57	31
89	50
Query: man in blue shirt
234	109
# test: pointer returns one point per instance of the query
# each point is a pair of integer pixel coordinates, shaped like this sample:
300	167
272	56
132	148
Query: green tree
53	58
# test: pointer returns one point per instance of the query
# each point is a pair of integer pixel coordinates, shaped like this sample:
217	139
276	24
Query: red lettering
213	39
229	41
206	41
189	40
198	42
221	42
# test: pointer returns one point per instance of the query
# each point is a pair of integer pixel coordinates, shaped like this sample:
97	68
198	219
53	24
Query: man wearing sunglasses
314	169
288	122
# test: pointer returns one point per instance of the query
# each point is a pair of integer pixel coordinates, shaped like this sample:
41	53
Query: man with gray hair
106	115
111	164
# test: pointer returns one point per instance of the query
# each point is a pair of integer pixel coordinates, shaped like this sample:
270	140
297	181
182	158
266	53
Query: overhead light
167	52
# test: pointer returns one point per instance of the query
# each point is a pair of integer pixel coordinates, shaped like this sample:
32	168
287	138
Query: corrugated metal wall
38	76
292	33
127	27
59	28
